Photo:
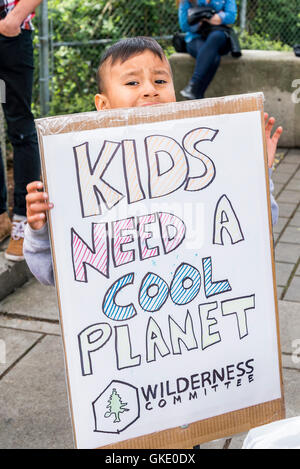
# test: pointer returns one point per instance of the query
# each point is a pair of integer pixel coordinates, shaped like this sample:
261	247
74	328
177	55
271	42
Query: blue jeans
16	70
208	55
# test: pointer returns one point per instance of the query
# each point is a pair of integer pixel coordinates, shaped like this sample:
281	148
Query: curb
12	274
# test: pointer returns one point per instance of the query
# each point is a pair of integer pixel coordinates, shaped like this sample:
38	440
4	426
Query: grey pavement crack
21	356
7	315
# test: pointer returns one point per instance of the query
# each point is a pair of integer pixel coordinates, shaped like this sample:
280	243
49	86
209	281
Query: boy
133	72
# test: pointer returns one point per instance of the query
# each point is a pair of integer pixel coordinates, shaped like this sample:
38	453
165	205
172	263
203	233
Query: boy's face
142	80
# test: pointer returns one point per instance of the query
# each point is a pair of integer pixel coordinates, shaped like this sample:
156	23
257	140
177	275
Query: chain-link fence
79	31
112	19
278	20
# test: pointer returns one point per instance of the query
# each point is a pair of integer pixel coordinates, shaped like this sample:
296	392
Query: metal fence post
44	57
243	15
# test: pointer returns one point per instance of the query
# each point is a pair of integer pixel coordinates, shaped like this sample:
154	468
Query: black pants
16	70
208	55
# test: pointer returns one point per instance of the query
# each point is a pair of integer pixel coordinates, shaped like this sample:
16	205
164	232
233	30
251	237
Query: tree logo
116	408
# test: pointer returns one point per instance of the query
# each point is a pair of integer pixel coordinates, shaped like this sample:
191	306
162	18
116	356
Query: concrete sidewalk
33	400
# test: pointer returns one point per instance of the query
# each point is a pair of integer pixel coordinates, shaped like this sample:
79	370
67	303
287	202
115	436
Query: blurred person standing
16	71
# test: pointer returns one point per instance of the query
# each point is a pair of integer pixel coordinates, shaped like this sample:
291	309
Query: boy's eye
134	82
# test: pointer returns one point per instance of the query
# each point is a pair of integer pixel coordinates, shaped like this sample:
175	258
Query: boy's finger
277	134
269	125
36	197
34	186
36	218
266	115
279	130
40	207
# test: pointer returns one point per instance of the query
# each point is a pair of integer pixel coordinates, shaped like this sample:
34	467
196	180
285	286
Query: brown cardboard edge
207	430
160	112
225	424
272	250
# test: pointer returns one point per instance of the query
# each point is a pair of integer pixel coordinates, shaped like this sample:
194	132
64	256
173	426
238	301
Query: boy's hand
271	141
37	205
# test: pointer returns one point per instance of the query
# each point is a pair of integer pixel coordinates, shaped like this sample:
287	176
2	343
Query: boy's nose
149	90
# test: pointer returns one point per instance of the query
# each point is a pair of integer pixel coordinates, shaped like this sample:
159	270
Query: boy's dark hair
126	48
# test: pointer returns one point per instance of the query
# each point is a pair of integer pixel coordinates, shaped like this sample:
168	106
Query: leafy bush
275	20
256	42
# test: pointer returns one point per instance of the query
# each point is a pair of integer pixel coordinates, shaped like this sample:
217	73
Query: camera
196	14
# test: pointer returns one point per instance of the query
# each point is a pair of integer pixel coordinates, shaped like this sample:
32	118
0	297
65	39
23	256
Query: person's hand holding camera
214	20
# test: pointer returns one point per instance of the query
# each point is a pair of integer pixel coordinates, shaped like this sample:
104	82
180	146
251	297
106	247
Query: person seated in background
206	47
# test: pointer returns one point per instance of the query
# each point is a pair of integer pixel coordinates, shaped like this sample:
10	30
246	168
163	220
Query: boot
191	91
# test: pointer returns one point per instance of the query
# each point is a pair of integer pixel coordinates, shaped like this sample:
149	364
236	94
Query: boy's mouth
150	104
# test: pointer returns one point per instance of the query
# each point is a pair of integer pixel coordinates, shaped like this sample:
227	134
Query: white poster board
163	261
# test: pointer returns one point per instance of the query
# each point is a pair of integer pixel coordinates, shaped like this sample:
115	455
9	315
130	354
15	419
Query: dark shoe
297	50
191	92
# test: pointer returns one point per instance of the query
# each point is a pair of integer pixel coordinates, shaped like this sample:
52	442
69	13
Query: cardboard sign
163	255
